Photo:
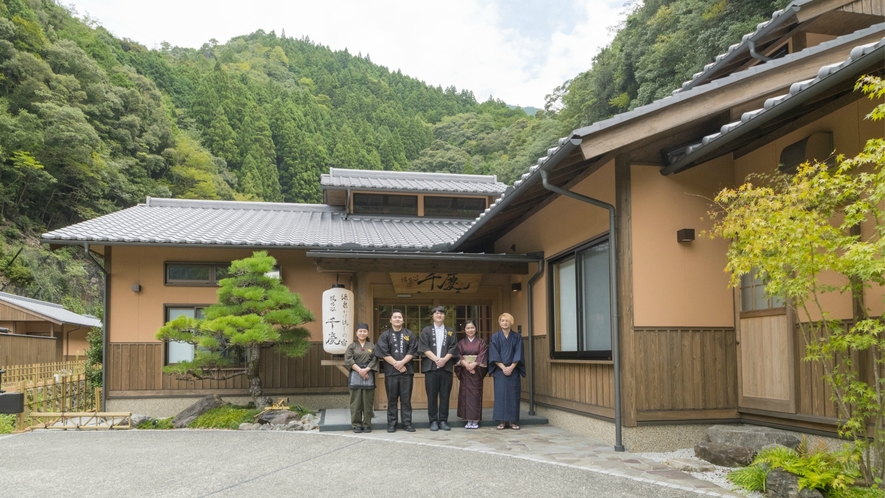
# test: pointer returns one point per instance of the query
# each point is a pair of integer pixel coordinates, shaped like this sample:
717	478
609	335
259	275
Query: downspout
104	326
613	290
532	281
756	55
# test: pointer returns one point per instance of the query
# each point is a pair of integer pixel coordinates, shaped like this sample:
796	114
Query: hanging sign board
337	319
451	283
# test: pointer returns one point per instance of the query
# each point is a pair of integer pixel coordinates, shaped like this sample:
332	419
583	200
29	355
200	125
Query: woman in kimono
360	360
506	365
470	370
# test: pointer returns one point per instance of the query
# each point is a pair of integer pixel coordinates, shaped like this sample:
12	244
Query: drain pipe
104	326
531	319
613	289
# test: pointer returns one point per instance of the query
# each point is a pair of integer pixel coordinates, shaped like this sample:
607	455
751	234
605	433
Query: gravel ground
716	476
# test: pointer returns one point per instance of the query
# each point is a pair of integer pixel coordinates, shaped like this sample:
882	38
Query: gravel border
716	476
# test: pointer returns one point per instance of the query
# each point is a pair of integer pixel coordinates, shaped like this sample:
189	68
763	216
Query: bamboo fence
50	387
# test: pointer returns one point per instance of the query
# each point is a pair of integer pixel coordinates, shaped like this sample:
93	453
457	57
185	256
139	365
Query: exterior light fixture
136	287
685	235
516	287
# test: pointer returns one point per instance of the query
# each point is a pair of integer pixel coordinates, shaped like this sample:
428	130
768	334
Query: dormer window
453	207
403	205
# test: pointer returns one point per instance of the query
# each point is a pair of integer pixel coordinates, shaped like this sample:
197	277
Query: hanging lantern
337	319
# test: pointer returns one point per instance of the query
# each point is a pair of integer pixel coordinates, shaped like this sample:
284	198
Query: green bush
7	424
225	417
163	423
833	473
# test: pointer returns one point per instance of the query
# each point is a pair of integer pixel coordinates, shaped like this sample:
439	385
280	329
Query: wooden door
766	362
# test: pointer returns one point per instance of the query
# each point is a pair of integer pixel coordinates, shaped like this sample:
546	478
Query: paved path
536	461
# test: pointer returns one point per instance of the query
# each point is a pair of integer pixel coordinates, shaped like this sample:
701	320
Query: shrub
225	417
7	424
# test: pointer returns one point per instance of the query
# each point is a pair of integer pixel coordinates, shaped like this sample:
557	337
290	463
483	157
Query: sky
514	50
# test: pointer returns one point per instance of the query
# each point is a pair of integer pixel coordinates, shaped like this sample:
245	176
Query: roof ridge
16	297
368	173
240	205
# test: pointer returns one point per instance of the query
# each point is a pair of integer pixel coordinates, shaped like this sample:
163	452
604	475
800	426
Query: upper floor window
454	207
753	295
195	273
406	205
580	299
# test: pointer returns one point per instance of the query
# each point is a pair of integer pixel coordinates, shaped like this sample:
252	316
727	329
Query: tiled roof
567	144
773	104
777	18
256	224
413	182
52	311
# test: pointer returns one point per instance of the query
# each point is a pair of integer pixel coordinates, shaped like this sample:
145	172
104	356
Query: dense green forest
91	123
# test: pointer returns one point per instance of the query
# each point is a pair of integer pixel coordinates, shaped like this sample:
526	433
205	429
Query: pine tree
254	311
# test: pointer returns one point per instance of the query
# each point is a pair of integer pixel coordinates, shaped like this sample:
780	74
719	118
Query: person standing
360	360
438	344
397	346
506	365
471	369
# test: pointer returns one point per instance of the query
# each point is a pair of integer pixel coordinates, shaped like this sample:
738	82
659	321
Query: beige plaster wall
562	224
679	283
135	317
850	132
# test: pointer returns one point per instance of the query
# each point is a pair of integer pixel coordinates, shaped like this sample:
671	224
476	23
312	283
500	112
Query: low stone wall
646	438
169	406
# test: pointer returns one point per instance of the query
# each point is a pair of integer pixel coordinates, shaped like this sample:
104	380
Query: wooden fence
19	349
51	387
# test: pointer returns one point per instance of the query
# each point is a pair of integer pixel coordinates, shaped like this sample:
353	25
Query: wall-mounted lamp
685	235
516	287
136	287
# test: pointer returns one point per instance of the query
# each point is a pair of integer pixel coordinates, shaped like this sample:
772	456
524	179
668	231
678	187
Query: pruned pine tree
254	311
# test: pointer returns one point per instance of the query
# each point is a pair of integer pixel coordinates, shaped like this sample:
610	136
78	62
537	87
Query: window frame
776	305
166	309
454	201
573	254
212	281
385	204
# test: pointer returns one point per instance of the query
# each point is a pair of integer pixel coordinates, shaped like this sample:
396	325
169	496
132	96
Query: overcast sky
515	50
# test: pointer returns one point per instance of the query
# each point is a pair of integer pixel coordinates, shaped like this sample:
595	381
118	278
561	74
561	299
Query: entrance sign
453	283
337	319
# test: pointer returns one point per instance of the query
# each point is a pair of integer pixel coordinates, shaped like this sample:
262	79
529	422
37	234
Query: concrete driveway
251	463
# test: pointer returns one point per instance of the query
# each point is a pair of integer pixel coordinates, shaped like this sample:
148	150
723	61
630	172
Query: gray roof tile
55	312
412	181
257	224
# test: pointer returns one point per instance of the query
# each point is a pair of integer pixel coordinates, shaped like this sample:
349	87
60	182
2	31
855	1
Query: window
177	351
385	204
753	295
195	274
454	207
579	290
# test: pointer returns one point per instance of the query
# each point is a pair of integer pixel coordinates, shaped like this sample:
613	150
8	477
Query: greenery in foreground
223	417
792	230
253	311
7	423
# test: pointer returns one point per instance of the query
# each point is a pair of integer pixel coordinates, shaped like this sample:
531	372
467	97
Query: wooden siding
134	367
18	349
567	383
685	370
814	392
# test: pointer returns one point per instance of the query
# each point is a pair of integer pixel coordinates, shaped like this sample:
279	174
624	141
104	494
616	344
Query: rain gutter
104	326
792	100
613	281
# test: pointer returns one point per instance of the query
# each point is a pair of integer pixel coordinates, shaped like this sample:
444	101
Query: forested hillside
91	123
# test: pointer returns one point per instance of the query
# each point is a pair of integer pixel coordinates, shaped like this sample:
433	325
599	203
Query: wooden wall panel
685	369
18	349
138	367
814	393
579	382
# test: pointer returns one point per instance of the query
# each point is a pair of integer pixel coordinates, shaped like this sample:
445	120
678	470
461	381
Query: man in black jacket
397	346
439	346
